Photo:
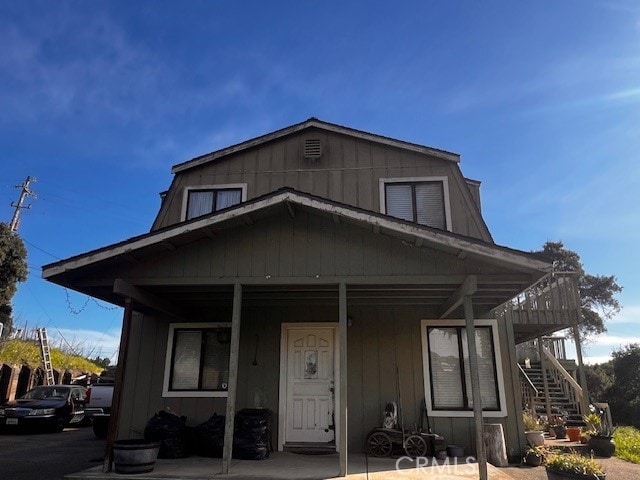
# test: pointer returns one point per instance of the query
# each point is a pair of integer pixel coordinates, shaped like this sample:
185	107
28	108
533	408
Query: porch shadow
289	466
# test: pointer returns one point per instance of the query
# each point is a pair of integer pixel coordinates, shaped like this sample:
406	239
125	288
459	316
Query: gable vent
312	148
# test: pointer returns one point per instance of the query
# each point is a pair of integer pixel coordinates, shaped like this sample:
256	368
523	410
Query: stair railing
529	391
570	388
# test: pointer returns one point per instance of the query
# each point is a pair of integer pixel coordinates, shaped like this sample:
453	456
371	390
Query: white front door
310	385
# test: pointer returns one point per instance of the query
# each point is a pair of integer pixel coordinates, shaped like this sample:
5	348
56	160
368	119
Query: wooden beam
123	352
227	449
545	380
291	209
168	245
481	453
125	289
450	280
582	378
468	288
342	320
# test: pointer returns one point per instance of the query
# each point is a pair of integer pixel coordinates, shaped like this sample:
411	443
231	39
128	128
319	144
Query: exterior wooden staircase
562	402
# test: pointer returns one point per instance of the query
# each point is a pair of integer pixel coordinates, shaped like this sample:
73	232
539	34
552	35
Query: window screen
420	202
200	359
450	373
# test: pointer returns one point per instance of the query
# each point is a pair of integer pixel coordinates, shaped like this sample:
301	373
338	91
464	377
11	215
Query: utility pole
24	193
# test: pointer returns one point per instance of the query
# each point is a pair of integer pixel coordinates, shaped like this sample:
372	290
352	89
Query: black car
49	407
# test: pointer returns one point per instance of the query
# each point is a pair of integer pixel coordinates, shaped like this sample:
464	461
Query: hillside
24	352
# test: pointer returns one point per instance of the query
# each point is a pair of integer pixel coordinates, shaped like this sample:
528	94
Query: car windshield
40	393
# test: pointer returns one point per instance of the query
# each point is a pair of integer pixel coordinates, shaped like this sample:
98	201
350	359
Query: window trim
495	332
169	354
220	186
445	190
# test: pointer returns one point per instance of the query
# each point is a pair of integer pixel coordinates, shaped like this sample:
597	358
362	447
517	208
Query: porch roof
515	269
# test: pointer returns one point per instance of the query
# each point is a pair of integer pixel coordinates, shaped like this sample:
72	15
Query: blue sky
99	99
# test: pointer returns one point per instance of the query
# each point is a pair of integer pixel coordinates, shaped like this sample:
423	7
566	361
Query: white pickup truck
98	406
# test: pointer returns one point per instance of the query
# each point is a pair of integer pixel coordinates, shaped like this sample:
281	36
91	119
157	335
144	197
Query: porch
290	466
291	258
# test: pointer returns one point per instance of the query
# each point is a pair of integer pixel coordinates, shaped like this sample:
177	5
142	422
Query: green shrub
531	423
575	463
20	352
627	441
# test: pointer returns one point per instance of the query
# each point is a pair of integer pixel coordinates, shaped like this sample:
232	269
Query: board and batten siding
348	171
382	342
308	245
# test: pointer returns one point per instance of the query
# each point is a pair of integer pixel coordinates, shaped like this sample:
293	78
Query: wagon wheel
415	446
379	444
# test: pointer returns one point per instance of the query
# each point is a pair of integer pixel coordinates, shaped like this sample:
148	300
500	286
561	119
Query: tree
597	292
103	362
624	394
599	380
13	269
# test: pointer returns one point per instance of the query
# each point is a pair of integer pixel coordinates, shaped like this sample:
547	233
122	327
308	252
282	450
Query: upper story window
197	361
420	200
202	200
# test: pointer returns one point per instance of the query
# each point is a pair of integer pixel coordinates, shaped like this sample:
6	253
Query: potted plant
600	439
534	456
532	429
556	426
573	466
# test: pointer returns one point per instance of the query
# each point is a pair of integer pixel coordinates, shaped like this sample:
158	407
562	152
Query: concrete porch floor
290	466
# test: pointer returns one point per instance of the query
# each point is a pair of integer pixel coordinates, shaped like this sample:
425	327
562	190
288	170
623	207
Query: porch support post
584	401
481	452
545	381
233	379
342	314
123	351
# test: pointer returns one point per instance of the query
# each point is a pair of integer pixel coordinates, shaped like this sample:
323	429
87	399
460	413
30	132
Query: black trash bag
252	436
169	430
208	437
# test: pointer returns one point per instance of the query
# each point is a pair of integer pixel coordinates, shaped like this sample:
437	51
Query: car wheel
59	424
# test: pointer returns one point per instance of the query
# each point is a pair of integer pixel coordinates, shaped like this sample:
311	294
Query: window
201	202
197	362
419	200
447	370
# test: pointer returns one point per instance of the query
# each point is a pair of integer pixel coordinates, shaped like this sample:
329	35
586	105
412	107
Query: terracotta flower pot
573	433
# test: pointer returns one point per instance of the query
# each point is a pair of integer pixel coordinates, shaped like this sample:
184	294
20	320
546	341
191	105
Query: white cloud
628	314
597	359
606	340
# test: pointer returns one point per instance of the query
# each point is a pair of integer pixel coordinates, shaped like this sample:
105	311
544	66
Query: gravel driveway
616	470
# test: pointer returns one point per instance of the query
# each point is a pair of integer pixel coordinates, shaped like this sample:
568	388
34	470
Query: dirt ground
616	470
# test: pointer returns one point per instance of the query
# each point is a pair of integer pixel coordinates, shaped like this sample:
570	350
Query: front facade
320	272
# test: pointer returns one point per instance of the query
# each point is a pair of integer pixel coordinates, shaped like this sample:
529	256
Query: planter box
135	456
553	474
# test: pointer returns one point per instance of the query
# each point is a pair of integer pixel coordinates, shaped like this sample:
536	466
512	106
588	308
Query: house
318	271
